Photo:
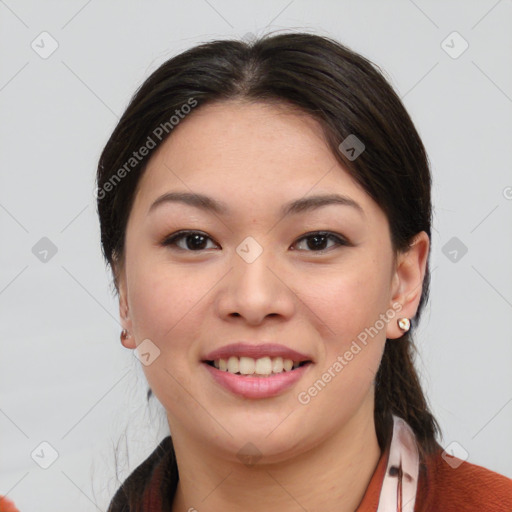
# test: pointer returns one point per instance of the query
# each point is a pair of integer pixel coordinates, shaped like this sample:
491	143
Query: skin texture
255	157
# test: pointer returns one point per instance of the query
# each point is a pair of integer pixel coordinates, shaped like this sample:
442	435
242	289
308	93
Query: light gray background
64	376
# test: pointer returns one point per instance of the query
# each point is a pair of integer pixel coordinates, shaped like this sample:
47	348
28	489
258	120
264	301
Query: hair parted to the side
347	94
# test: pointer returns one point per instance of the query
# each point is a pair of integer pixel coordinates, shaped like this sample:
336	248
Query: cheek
165	308
346	299
347	306
160	297
167	300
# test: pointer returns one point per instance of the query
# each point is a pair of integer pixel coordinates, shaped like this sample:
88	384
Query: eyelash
172	239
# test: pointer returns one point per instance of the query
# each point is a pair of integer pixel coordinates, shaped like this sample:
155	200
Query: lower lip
257	387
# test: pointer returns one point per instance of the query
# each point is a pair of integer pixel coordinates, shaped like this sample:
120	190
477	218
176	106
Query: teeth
263	366
277	364
249	366
246	366
232	364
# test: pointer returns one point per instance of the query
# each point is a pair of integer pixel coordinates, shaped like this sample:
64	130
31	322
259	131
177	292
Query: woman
265	208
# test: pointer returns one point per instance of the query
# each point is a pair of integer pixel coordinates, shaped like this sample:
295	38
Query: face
319	278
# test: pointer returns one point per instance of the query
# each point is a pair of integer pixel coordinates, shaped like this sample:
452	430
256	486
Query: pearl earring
404	324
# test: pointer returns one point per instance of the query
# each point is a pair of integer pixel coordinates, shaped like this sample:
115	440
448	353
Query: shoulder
450	484
140	482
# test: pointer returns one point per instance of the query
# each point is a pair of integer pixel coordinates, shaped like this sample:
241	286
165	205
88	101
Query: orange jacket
441	488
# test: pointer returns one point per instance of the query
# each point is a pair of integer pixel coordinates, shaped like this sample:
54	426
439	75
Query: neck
332	476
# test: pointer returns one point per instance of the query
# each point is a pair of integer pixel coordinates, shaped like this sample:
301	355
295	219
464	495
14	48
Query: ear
124	311
407	282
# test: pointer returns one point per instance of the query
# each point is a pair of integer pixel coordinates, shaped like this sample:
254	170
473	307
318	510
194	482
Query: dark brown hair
348	95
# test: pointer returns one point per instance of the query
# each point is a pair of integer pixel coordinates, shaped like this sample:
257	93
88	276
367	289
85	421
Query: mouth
261	378
261	367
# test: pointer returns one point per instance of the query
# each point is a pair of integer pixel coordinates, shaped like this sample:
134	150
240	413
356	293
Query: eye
316	241
195	241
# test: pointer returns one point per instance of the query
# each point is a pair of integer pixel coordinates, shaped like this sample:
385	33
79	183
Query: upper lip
243	349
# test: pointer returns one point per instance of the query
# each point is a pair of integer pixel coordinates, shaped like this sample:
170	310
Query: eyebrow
302	205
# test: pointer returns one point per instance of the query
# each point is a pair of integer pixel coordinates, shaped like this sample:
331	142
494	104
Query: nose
256	290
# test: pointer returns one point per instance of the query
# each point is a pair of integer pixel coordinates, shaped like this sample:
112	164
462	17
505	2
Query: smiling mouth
262	367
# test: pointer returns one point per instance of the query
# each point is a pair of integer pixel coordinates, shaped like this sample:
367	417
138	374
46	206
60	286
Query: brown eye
316	242
194	241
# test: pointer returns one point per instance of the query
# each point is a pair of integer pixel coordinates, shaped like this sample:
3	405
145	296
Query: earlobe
126	336
127	339
407	283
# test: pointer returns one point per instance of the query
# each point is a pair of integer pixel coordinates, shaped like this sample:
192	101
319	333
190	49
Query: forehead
247	153
240	135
